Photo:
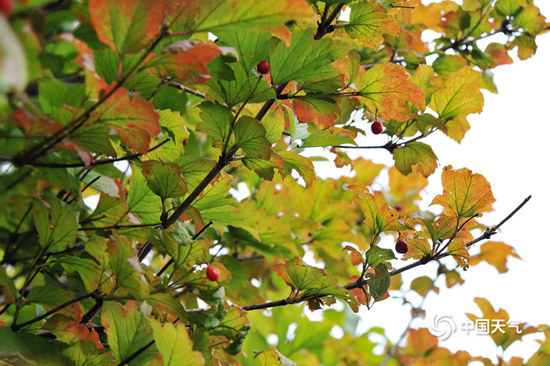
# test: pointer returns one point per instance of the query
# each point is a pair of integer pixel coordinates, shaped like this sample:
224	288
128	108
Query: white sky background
506	144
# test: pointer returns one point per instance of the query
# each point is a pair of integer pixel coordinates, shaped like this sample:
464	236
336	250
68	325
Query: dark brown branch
118	227
326	24
98	162
16	327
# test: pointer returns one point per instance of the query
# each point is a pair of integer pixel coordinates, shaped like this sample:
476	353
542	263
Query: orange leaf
378	214
324	111
387	90
496	254
464	193
185	60
133	118
126	25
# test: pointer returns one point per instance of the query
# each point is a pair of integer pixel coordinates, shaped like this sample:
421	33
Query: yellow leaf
496	254
464	193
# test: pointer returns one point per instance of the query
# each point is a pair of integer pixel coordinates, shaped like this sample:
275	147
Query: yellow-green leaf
174	344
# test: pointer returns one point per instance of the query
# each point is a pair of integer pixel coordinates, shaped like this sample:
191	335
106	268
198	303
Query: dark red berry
6	7
401	247
377	127
263	67
398	207
185	142
212	273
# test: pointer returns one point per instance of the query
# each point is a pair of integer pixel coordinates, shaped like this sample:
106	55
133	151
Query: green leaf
250	136
422	285
305	59
215	121
376	255
415	154
126	327
164	179
56	227
25	349
251	46
329	137
302	165
126	268
379	282
236	15
312	281
369	22
245	87
88	270
174	344
52	94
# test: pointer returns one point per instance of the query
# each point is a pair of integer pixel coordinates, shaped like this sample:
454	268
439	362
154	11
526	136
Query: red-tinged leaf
379	217
164	179
323	111
185	60
133	118
126	25
302	165
496	254
8	287
70	331
415	154
369	22
126	327
342	159
355	256
361	294
387	90
33	125
459	95
499	53
464	193
174	344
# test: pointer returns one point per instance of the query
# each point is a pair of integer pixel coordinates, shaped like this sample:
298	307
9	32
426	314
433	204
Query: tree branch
486	235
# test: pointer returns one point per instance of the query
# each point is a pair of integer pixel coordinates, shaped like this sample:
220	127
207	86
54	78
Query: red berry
401	247
377	127
6	7
212	273
398	207
263	67
185	142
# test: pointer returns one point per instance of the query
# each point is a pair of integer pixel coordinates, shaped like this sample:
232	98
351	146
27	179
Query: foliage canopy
156	110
